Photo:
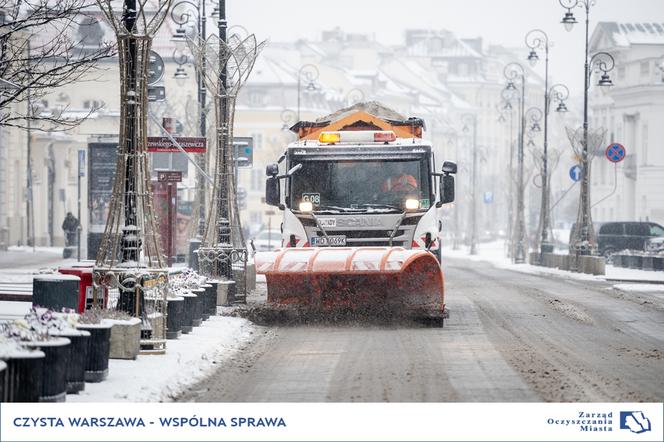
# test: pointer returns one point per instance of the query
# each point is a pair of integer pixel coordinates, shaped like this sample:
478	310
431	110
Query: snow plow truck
361	232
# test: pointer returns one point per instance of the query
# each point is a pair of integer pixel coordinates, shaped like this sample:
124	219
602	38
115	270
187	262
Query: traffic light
243	150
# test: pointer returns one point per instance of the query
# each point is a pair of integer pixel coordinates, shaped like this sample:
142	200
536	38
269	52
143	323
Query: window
656	230
645	68
637	229
611	229
257	98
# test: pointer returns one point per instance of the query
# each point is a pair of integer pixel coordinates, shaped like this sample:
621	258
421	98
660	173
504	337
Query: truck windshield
361	184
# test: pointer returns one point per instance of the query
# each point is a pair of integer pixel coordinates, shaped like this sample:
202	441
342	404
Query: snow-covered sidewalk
626	279
188	359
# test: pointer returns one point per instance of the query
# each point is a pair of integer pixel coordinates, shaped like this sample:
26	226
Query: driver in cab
402	183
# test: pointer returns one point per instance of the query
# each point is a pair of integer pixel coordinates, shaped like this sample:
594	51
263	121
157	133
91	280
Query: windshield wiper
338	208
381	206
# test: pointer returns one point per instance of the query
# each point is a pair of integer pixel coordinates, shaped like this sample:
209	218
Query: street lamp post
468	119
585	241
181	18
513	72
538	39
506	107
311	74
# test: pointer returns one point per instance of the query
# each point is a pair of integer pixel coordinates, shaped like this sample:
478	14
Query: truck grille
358	234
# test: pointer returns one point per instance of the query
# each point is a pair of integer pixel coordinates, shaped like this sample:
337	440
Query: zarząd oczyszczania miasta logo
634	421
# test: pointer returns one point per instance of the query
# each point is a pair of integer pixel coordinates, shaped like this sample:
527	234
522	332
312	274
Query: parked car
615	236
267	240
620	235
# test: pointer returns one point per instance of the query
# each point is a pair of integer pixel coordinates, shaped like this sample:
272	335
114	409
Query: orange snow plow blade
405	282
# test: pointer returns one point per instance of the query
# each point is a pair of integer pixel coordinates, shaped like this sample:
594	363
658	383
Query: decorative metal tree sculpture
595	141
228	65
130	257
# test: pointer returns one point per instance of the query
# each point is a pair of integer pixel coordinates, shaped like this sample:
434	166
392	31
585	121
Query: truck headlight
306	206
412	204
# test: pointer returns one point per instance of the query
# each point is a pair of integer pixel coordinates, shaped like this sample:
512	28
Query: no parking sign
615	152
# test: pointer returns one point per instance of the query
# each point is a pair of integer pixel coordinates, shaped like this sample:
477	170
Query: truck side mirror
272	169
446	189
272	191
449	167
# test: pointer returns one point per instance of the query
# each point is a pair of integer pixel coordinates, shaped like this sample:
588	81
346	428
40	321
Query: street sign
155	68
189	144
575	173
156	93
169	176
488	197
615	152
537	181
243	151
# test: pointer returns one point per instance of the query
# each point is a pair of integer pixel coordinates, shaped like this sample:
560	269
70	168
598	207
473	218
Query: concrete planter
54	369
125	340
617	260
205	301
225	292
633	261
23	376
78	354
56	291
251	277
198	306
96	365
175	317
593	265
658	263
188	316
211	298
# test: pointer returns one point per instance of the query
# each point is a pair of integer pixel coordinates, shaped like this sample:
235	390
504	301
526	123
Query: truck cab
361	188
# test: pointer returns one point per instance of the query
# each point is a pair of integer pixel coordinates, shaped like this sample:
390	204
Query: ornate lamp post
468	119
538	39
514	72
585	242
288	118
311	74
181	14
505	108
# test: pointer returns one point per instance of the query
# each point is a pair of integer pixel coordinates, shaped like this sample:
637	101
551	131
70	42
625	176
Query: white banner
331	422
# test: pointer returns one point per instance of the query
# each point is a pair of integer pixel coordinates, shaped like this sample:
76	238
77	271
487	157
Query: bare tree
45	45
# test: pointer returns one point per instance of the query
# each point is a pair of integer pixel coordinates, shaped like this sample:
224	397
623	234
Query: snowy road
512	336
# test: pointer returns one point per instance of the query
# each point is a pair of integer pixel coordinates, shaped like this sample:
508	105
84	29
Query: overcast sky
497	21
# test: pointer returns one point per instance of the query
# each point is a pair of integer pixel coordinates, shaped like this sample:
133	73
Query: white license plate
334	240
